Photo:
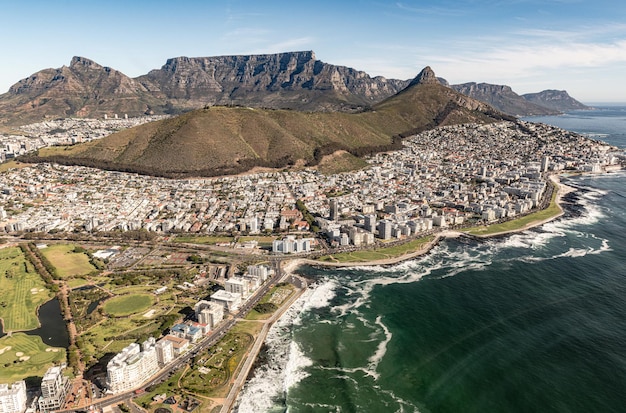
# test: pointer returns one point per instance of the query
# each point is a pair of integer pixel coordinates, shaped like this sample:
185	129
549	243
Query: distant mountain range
292	80
221	140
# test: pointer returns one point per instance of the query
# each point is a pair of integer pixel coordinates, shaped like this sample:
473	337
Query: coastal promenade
250	358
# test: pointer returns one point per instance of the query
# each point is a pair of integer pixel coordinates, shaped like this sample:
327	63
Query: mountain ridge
219	140
556	99
290	80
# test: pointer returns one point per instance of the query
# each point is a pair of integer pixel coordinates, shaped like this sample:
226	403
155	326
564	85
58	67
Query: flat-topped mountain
291	80
555	99
295	80
224	140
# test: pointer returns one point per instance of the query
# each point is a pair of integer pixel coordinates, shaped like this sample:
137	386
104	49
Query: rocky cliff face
294	80
84	88
558	100
503	98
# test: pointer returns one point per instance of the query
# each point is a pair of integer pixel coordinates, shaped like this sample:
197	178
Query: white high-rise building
13	397
164	351
262	271
290	244
370	223
132	366
211	315
237	285
384	229
54	389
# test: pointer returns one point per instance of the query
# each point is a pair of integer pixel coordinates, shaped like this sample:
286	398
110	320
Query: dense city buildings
442	177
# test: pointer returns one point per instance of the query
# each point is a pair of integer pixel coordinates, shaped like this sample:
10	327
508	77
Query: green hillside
227	140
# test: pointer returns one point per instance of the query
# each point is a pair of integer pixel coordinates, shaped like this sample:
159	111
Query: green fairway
23	291
67	262
124	305
24	356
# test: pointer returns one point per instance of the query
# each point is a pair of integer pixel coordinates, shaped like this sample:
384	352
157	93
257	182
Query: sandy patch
149	314
19	354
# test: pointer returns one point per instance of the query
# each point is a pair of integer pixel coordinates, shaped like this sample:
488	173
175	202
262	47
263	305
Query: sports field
24	356
124	305
67	262
22	289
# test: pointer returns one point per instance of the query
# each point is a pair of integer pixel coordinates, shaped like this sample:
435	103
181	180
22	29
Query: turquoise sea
530	322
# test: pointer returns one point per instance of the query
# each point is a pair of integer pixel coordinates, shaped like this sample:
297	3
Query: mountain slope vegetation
227	140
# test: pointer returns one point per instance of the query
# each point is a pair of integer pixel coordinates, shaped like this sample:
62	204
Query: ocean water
530	322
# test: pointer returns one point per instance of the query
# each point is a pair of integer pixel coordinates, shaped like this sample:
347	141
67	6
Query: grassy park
210	373
24	356
23	291
67	262
200	239
271	302
125	305
264	241
384	253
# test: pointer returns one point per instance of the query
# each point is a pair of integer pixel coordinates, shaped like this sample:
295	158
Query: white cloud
522	61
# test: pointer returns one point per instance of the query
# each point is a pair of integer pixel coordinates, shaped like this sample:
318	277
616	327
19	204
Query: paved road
252	355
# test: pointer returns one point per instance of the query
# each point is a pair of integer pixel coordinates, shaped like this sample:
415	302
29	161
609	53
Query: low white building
229	301
291	245
13	397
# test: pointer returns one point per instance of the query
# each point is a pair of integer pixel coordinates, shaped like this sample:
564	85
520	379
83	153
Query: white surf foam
286	362
381	350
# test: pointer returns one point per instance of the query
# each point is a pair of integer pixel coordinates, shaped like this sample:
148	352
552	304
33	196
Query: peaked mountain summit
425	77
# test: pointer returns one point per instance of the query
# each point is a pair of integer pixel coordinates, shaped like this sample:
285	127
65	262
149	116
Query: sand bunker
7	348
149	314
24	358
34	290
19	354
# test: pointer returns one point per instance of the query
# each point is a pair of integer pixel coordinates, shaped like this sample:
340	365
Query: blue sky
530	45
